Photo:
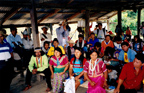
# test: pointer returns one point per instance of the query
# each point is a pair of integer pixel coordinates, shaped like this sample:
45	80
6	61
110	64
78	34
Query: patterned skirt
57	83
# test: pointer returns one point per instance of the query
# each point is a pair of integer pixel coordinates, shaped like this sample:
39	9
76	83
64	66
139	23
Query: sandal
27	87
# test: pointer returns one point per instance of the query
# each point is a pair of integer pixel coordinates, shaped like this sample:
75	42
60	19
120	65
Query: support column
87	24
139	19
119	18
34	25
108	25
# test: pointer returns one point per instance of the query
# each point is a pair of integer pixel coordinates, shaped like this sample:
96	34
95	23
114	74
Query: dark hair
55	39
13	28
107	36
98	44
80	35
96	25
140	56
81	56
93	50
92	33
118	38
100	24
124	43
42	53
46	42
59	50
110	67
109	50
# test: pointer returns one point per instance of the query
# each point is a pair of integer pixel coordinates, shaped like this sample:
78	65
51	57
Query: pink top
99	69
62	60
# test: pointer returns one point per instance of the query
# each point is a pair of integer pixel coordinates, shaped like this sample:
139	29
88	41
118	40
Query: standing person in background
128	33
62	34
45	36
28	48
101	32
5	64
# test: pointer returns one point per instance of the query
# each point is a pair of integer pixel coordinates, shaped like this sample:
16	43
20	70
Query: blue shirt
61	33
10	38
130	53
5	50
77	68
93	42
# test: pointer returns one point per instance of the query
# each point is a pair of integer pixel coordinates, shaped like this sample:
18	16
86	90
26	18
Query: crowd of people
104	60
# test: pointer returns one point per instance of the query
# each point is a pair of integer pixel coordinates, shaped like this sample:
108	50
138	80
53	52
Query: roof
17	12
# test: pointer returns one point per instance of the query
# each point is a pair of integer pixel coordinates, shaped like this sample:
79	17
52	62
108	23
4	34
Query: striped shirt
5	50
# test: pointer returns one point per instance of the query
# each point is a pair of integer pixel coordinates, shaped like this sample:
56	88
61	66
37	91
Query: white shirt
113	74
28	44
117	46
49	38
101	33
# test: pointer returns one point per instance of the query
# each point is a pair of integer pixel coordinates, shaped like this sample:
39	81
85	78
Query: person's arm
31	64
117	90
51	69
60	30
45	64
71	71
106	76
88	79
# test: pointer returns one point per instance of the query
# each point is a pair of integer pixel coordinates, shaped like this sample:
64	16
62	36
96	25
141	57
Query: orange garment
104	45
128	32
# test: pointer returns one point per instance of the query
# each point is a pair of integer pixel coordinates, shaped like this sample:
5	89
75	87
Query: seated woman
96	73
99	49
59	73
76	67
137	44
46	47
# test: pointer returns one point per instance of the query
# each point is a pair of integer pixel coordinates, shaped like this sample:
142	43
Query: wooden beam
9	14
76	14
94	14
87	17
49	15
113	15
34	25
102	15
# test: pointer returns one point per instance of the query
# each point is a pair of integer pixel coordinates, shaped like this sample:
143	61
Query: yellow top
51	51
126	58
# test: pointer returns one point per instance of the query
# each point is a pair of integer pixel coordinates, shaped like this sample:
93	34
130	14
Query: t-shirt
100	33
77	67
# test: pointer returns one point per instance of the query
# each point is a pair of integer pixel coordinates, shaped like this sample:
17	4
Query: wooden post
139	18
34	25
87	24
108	25
119	18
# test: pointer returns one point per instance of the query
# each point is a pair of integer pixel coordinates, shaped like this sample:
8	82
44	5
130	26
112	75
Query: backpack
103	31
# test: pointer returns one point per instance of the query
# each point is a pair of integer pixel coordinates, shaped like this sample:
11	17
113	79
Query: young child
46	47
112	74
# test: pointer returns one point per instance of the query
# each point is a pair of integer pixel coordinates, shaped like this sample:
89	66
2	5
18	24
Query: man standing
101	32
62	34
28	48
45	36
5	67
38	64
131	76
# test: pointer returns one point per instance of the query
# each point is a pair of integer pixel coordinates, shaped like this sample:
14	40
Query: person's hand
42	39
92	83
116	90
52	75
105	85
14	43
64	27
61	73
65	46
77	78
34	71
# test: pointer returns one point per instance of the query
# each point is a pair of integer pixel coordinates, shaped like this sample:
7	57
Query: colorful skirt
98	88
57	83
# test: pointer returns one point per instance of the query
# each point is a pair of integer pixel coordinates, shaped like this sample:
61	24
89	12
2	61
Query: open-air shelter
34	13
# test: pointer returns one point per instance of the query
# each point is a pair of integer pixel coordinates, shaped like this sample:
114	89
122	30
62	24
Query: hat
60	22
140	56
44	27
71	41
37	49
25	32
1	32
